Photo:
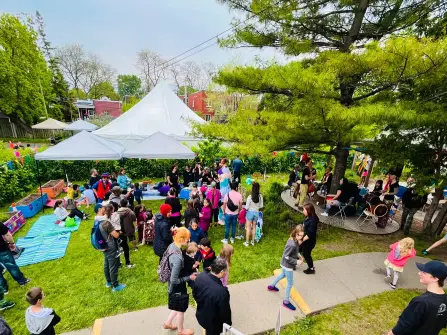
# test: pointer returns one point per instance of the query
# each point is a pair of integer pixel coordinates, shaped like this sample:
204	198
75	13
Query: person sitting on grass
62	214
38	319
87	197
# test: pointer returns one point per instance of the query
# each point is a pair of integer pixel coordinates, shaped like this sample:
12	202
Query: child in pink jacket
399	255
205	216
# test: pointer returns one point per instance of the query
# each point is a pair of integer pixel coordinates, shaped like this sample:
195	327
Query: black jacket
311	227
162	234
213	303
175	204
411	199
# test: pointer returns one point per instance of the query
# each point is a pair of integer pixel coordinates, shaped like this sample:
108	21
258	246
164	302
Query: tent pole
40	185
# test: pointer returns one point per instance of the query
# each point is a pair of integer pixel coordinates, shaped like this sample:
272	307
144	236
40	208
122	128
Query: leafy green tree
129	103
325	100
78	94
104	89
128	85
25	79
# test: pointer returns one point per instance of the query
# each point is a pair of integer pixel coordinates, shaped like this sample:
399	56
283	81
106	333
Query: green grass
376	314
75	286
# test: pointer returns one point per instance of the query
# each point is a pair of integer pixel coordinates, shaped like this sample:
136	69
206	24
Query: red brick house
197	102
103	106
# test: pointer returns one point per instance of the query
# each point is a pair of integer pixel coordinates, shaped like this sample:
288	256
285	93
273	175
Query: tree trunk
341	158
431	211
441	220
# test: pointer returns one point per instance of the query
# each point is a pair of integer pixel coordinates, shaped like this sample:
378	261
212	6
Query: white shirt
253	206
61	213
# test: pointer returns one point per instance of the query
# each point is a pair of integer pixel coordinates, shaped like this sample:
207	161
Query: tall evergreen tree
326	100
60	106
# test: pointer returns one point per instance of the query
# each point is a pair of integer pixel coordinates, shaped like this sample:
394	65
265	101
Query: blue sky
117	29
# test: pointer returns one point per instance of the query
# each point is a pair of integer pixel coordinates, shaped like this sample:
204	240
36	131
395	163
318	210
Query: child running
289	261
226	253
38	319
399	255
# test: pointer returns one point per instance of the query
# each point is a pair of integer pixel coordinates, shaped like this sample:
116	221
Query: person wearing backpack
231	206
109	234
162	230
172	264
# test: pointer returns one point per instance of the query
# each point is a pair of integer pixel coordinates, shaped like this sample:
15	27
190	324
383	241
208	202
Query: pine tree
328	100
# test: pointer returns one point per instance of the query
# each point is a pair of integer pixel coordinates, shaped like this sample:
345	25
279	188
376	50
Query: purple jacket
205	220
164	190
217	197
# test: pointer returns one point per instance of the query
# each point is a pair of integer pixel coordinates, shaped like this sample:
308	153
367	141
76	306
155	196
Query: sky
117	29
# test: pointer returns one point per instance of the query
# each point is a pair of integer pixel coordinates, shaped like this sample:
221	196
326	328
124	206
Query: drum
380	210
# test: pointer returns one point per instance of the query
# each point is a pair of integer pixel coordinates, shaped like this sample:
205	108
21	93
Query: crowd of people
181	240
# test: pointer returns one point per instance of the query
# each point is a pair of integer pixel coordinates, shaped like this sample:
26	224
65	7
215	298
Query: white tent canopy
81	125
82	147
159	146
50	124
159	111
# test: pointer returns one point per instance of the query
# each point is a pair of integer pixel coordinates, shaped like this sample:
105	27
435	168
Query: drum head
380	210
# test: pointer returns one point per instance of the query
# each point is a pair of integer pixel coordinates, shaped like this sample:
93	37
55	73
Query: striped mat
45	241
42	248
46	225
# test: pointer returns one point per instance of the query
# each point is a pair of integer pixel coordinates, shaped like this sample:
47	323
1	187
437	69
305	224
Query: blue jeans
289	276
9	263
230	219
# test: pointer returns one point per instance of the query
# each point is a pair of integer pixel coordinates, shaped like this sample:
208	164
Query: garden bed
15	222
53	188
31	204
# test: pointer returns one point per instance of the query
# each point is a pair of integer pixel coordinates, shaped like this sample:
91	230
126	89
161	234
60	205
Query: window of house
207	117
91	112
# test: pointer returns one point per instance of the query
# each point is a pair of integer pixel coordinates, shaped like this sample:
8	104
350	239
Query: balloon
248	181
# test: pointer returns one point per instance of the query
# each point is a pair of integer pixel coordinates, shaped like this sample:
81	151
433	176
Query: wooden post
369	173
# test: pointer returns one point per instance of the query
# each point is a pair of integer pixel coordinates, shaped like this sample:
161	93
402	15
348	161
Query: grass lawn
373	315
75	286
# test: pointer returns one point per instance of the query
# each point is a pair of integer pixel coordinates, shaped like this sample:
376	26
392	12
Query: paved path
349	223
337	280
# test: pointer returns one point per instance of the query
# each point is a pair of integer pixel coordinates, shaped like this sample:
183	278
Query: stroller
148	231
259	228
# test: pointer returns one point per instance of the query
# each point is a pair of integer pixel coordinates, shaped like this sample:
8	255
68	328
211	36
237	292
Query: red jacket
102	190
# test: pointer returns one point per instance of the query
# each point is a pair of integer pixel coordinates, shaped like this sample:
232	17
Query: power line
210	39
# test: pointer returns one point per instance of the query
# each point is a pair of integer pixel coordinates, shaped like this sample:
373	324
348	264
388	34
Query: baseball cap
435	268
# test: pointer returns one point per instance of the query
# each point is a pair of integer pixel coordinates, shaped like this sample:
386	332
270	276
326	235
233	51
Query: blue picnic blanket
46	225
42	248
45	241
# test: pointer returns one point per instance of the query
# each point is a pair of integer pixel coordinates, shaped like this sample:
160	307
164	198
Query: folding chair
341	210
379	211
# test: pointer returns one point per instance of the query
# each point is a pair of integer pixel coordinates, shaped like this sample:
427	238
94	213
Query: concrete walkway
255	310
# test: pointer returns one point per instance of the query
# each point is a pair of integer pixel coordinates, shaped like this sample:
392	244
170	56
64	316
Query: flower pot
15	222
53	188
31	204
